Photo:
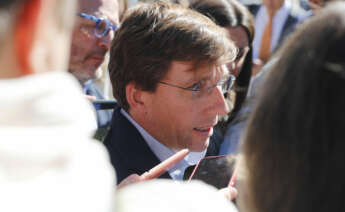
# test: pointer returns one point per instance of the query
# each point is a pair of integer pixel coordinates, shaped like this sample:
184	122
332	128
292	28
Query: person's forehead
239	36
101	8
190	72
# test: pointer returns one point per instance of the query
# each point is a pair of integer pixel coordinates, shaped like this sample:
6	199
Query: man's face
182	118
88	50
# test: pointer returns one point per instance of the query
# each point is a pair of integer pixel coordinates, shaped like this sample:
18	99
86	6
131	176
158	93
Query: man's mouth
98	56
101	58
205	131
202	129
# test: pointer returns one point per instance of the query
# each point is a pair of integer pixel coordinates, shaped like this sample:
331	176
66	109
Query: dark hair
7	3
231	13
294	144
153	35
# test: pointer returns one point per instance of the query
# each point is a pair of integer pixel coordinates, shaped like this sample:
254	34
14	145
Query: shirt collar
163	152
87	85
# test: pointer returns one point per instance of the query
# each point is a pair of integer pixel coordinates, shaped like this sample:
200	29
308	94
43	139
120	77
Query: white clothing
48	161
172	196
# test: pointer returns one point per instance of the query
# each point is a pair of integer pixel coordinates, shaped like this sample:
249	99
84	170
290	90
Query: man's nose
219	104
105	42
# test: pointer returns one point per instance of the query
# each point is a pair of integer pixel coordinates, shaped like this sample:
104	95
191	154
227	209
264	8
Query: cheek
81	45
178	112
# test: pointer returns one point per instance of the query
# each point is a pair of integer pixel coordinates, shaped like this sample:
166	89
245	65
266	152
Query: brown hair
7	3
294	144
153	35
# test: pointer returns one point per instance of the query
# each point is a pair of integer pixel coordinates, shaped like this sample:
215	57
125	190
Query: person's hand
155	171
229	192
131	179
91	98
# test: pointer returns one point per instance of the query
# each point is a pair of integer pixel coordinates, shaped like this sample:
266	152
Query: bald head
88	50
109	8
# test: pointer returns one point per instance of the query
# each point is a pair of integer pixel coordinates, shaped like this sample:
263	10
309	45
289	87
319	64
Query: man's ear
24	33
136	98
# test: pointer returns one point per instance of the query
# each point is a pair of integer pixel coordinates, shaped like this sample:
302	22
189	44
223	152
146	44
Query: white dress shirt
163	152
261	19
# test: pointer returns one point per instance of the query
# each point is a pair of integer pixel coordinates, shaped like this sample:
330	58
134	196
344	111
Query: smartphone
213	170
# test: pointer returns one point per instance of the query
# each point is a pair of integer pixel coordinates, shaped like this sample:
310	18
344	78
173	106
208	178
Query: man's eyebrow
223	72
191	80
106	15
100	15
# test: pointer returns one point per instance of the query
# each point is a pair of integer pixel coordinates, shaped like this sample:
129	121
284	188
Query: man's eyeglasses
102	26
200	88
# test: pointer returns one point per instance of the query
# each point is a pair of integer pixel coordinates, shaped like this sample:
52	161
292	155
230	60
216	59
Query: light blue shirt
86	86
261	19
163	152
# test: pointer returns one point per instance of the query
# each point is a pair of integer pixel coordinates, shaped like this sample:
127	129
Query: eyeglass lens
225	86
102	28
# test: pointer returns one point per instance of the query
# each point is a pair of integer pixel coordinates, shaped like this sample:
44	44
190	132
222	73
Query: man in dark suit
167	73
92	35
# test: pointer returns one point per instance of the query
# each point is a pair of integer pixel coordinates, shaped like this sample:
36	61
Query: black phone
213	170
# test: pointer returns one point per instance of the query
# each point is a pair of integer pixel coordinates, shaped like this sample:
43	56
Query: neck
273	8
81	81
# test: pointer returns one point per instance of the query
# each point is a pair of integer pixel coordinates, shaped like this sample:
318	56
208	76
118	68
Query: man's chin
83	75
200	147
86	77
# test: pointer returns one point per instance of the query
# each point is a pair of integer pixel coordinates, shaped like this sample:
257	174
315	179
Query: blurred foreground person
255	88
169	196
294	146
47	160
166	67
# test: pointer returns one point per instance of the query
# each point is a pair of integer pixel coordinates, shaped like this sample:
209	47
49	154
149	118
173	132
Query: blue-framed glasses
201	88
102	25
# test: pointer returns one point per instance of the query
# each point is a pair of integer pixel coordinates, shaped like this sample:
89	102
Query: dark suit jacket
128	150
289	25
103	116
